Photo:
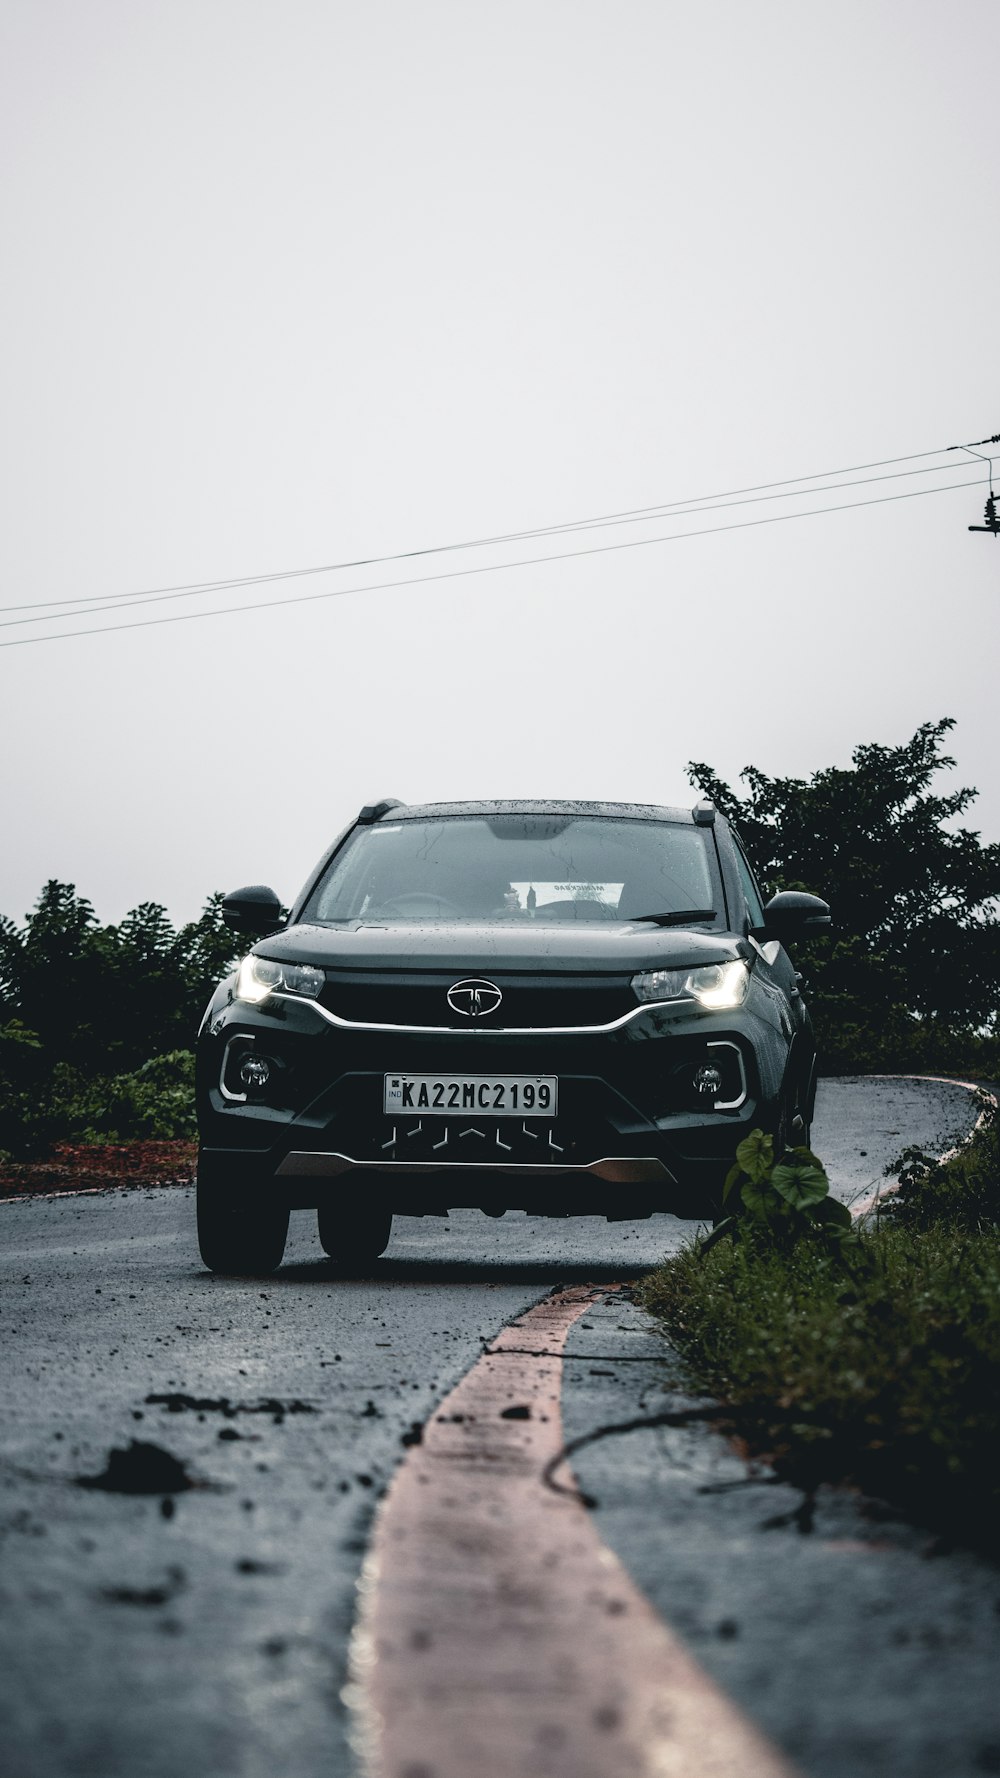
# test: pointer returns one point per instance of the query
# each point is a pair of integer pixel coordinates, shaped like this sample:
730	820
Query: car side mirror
794	914
254	909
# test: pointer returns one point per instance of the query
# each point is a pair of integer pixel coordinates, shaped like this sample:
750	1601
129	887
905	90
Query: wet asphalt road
213	1641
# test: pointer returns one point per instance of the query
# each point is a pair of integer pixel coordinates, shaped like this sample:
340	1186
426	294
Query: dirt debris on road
140	1468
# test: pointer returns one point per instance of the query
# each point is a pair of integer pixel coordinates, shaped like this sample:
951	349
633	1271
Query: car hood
517	948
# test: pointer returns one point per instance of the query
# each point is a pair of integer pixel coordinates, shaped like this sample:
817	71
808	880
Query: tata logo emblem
474	999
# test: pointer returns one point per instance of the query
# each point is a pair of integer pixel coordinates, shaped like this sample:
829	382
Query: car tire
240	1232
353	1238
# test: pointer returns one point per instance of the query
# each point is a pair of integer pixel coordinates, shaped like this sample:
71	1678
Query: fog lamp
708	1080
255	1072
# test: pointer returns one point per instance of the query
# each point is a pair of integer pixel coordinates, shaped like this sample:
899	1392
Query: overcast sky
288	284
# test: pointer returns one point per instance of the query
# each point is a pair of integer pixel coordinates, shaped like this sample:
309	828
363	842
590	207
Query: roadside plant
780	1199
960	1190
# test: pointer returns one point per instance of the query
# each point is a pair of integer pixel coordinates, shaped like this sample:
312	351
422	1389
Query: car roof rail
703	814
373	812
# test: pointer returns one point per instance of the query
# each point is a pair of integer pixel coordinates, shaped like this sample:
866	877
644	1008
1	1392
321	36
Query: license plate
493	1095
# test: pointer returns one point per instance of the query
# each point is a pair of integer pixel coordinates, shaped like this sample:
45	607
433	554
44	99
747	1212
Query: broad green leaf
755	1155
757	1198
804	1155
801	1185
735	1173
831	1210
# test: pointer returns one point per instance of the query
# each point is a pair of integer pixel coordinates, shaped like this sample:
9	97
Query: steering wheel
418	902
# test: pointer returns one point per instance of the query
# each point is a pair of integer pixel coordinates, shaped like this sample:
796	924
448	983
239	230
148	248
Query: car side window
755	907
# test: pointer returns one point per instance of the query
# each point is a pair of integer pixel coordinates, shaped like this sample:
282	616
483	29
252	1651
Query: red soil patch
91	1166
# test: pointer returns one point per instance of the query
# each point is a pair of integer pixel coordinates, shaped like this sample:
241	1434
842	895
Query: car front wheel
353	1237
240	1233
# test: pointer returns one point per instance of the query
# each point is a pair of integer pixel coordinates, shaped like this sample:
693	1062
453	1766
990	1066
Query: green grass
879	1367
962	1193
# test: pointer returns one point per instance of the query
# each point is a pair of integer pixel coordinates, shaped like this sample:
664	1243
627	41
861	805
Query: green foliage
800	1181
156	1101
879	1367
120	993
754	1157
872	1359
779	1200
962	1192
22	1073
83	1008
911	975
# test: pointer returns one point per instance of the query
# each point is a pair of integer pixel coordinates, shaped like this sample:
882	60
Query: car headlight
714	985
258	977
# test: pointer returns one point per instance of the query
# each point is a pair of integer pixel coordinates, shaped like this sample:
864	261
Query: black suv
565	1008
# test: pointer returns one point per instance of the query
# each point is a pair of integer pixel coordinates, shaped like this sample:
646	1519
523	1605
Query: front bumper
616	1169
631	1129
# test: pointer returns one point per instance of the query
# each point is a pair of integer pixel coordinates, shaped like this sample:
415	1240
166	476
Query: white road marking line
497	1636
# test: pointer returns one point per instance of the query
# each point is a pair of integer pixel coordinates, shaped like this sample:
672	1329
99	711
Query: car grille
529	1002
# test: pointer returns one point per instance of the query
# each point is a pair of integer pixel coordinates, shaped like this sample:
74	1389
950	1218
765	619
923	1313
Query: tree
203	952
50	972
97	1022
912	973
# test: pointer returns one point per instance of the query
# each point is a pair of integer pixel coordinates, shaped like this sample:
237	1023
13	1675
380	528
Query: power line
698	502
487	568
123	601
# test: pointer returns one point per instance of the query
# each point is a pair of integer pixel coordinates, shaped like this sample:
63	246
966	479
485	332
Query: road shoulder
857	1646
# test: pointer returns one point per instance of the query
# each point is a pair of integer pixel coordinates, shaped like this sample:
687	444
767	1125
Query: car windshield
518	867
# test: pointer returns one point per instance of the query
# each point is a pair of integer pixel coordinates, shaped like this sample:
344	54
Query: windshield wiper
684	917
